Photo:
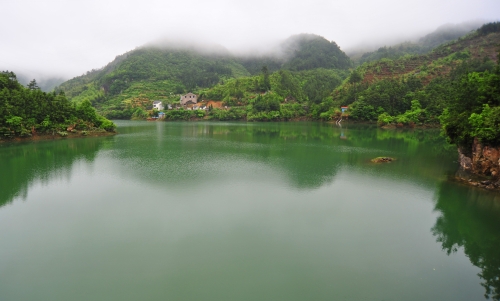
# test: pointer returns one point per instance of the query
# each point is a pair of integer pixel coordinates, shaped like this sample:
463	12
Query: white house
190	97
157	104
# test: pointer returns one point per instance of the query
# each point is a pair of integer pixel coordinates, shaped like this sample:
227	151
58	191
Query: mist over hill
45	83
414	45
186	65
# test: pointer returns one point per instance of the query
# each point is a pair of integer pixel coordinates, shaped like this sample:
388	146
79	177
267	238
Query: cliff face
484	162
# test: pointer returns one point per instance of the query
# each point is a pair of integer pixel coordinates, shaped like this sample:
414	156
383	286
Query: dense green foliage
466	102
254	64
25	111
306	51
394	97
390	91
396	101
291	94
300	52
147	74
456	86
393	52
305	86
489	28
133	80
452	84
475	110
185	69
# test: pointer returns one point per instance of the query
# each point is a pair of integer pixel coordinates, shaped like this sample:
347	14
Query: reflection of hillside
470	219
23	163
308	154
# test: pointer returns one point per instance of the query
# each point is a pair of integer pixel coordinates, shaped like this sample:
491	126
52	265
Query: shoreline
414	126
474	180
47	137
303	119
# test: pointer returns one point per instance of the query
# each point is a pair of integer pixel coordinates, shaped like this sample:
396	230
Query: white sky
68	38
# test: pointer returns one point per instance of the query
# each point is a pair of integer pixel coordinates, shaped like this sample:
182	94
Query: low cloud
68	38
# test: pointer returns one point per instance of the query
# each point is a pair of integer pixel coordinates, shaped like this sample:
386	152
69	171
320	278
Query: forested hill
300	52
177	69
191	67
307	51
447	87
161	72
478	46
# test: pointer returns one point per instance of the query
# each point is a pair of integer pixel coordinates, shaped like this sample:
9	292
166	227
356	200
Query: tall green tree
265	82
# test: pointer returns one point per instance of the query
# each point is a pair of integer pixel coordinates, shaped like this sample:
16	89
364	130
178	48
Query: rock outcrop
485	160
482	167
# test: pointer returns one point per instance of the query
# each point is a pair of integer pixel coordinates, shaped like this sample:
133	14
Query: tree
355	77
266	83
33	85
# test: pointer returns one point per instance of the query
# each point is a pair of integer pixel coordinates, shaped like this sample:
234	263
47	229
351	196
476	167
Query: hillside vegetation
133	80
307	78
28	111
386	89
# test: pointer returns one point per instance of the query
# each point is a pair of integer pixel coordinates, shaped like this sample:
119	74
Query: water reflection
180	203
470	219
306	155
309	155
23	163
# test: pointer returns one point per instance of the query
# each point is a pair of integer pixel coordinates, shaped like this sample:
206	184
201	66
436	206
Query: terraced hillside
425	85
437	63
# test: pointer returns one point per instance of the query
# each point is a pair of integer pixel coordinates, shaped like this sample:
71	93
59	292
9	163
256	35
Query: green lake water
244	211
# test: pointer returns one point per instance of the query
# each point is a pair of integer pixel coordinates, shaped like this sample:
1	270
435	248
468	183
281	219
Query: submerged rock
383	160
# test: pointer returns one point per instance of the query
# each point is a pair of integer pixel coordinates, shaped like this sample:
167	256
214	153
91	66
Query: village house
189	98
157	104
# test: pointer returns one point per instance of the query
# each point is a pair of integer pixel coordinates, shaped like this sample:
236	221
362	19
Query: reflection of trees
307	154
471	219
311	154
23	163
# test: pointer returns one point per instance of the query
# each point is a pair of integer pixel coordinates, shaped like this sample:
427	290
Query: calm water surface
243	211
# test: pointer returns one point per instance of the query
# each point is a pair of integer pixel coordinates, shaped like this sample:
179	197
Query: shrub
106	124
384	119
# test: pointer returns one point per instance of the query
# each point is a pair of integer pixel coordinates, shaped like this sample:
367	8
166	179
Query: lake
244	211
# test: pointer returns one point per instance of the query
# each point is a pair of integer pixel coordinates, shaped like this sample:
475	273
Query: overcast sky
68	38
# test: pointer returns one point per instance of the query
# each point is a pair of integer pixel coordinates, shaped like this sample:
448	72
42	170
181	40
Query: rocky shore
481	167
